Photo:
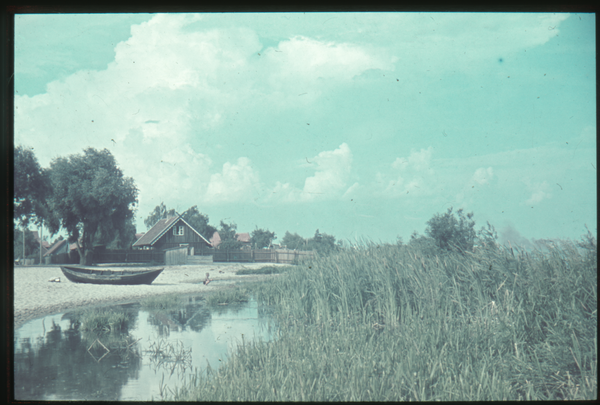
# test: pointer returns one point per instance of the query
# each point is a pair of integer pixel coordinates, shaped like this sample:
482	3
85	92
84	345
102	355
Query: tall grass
392	323
162	302
102	320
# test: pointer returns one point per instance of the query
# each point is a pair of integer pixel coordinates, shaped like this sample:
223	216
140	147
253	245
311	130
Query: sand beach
35	296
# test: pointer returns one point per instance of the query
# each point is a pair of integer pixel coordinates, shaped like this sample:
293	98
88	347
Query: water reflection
54	360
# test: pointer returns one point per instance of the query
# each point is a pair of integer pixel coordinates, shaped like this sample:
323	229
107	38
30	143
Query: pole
41	233
23	261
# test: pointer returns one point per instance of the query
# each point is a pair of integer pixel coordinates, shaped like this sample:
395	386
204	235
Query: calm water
161	348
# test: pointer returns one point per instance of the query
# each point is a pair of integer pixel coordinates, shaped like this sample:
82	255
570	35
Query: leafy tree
116	238
293	241
31	245
192	216
31	187
160	212
199	222
324	244
228	239
426	246
262	238
90	193
452	232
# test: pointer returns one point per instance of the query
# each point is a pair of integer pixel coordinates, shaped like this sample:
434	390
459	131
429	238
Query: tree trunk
80	251
86	259
23	256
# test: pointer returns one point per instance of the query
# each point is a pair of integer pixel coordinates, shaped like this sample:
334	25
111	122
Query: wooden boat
98	275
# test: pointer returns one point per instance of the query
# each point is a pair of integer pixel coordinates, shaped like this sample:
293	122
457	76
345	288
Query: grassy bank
391	323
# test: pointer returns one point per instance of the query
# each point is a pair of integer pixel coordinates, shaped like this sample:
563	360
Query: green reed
101	320
228	296
391	323
171	301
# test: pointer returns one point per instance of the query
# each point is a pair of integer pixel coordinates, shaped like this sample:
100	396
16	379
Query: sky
361	125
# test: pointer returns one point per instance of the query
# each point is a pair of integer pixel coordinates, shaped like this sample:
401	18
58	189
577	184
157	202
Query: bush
452	233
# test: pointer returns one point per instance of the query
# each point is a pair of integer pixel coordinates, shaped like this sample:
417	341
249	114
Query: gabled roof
56	247
241	237
160	228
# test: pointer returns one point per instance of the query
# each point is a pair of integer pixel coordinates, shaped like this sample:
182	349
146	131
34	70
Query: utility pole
23	258
41	231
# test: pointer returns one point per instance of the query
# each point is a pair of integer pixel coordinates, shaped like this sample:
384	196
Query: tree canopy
32	247
323	243
31	188
262	238
227	234
452	231
159	212
293	241
199	222
192	216
90	193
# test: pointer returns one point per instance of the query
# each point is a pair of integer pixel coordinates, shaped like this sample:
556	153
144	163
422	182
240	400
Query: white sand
35	296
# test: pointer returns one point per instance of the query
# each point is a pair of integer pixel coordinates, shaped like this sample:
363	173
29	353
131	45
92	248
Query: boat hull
90	275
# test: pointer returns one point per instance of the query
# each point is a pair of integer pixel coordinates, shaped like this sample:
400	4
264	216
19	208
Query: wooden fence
176	255
129	256
262	255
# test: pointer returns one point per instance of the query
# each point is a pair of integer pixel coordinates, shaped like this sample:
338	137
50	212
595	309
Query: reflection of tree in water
60	367
192	315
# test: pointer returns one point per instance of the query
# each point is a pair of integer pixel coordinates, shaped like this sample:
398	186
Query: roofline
160	235
192	228
163	232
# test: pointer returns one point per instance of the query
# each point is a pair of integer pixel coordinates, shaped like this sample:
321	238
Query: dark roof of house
55	247
160	228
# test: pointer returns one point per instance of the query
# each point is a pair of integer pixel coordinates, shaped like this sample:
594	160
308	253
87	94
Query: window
178	230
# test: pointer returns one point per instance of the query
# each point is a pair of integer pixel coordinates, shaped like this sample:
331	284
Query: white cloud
483	176
329	182
411	175
333	168
539	192
236	183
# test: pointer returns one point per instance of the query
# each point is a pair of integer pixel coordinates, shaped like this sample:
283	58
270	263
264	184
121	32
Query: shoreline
34	296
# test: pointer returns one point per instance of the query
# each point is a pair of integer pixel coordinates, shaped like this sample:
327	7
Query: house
45	244
241	237
169	233
58	247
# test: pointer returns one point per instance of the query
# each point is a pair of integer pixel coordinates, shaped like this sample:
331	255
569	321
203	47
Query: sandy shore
35	296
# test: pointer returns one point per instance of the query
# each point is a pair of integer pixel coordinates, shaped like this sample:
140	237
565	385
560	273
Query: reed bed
228	296
101	320
161	302
392	323
263	270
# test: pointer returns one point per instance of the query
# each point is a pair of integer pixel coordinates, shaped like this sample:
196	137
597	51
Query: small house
169	233
244	238
58	247
44	244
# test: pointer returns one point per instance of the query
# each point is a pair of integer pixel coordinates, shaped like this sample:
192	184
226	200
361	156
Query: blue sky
363	125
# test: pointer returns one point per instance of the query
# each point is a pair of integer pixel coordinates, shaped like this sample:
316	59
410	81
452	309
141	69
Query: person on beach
208	280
